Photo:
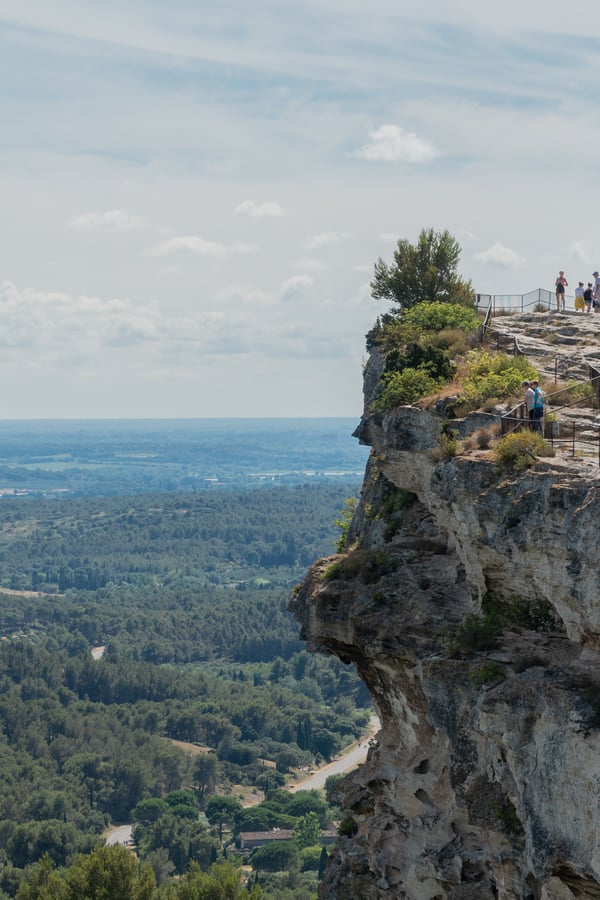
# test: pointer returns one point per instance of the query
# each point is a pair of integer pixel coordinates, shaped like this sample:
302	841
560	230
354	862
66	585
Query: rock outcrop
469	601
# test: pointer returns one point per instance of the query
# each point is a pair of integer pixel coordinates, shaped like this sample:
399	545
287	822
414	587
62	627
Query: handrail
517	415
516	418
483	330
519	302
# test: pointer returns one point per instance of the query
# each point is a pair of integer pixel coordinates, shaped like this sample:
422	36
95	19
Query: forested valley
182	597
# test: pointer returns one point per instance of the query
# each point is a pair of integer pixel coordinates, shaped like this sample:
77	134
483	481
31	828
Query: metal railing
504	303
573	437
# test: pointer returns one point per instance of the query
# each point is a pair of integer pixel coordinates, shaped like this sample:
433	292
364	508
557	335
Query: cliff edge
469	602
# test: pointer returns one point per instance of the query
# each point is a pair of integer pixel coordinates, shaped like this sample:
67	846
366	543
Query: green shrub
534	614
574	390
348	827
489	671
403	388
494	375
343	523
453	340
476	633
437	316
420	355
370	565
447	449
310	858
392	510
520	449
429	318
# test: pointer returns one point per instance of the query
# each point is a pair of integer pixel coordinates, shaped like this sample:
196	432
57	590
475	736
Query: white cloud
389	143
259	210
168	140
198	246
499	255
295	286
112	218
327	239
585	251
243	294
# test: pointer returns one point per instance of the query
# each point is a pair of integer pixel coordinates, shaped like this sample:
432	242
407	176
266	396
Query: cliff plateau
469	601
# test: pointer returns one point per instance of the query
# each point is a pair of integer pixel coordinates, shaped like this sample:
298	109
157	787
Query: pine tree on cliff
425	271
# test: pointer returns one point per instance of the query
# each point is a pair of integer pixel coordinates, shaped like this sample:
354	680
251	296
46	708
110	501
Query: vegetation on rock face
403	389
446	450
425	271
422	339
519	450
478	633
489	671
436	316
370	565
426	341
493	375
343	523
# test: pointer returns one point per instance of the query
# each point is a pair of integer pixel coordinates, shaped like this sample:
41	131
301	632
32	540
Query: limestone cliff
470	604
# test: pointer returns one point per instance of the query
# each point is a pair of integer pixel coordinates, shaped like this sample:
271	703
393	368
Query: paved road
353	757
120	835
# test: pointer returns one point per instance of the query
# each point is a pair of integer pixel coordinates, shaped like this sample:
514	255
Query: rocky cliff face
469	601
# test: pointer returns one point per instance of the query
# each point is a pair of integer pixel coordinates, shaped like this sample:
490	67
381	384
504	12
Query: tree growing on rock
425	271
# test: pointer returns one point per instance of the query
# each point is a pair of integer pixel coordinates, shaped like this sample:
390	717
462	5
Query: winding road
355	754
348	760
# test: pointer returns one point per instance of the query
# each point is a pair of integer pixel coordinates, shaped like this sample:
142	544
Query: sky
194	194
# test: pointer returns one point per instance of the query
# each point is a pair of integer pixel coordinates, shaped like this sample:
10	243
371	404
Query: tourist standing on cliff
579	302
537	412
561	283
587	297
528	400
596	297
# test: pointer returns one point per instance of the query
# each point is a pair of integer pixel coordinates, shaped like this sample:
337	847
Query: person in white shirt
528	399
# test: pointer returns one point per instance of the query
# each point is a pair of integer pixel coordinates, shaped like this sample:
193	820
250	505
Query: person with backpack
537	412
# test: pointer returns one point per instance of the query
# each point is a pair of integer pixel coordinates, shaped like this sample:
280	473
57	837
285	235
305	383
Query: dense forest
166	562
186	596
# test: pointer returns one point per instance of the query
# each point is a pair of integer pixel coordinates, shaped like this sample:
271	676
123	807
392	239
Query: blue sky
195	194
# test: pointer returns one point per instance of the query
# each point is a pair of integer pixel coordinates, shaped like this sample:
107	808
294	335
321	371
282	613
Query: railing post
555	369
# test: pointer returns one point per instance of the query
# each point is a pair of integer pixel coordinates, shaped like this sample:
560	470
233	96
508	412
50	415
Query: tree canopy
425	271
